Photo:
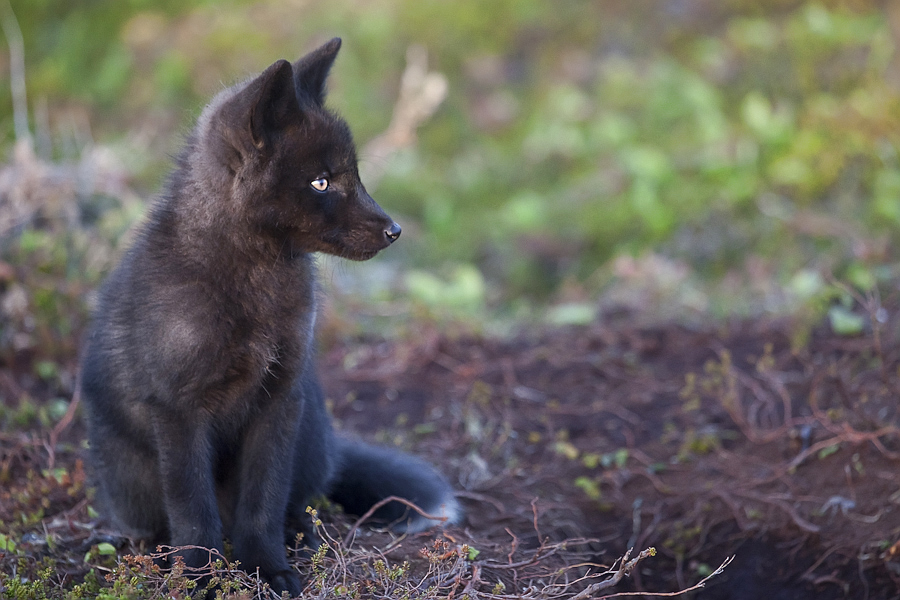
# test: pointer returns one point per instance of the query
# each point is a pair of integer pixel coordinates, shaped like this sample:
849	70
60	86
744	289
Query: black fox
204	413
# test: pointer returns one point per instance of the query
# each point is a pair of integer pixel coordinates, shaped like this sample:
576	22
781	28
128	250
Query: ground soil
761	440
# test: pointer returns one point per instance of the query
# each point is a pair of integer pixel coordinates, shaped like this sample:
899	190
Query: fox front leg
264	467
185	463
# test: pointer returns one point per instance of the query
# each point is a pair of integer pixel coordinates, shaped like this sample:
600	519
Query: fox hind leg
129	491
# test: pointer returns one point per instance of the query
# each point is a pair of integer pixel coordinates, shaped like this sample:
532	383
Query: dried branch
624	569
16	45
349	537
63	424
421	92
700	584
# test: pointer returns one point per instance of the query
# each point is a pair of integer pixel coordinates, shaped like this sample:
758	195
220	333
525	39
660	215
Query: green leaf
6	544
106	549
828	451
566	449
806	283
573	313
861	276
46	369
845	322
589	487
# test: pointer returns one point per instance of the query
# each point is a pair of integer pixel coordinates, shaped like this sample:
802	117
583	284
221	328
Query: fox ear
311	71
263	106
272	102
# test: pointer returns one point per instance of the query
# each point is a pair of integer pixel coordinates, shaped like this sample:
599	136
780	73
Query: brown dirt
703	442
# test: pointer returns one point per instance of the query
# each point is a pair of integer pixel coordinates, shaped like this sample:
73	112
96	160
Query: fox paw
285	581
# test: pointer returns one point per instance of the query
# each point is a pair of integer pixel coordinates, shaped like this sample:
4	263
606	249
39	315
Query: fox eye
320	184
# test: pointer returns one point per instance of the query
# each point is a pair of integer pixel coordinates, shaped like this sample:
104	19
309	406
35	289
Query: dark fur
204	413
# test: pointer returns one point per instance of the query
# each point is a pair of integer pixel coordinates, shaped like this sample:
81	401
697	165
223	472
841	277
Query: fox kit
205	417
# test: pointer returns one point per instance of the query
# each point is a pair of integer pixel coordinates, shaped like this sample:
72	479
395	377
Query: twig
852	436
635	521
696	586
421	92
483	498
16	71
63	423
470	590
784	506
538	557
751	430
872	303
513	545
349	537
625	568
537	529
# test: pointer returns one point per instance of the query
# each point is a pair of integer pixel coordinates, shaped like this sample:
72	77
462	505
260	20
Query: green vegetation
755	146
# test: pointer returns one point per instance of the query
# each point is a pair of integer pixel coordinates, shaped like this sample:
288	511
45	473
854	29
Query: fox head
290	164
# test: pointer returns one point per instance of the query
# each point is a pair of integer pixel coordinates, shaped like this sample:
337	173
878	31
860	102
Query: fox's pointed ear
249	119
311	71
272	102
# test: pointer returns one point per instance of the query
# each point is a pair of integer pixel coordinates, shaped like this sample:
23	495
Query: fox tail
368	474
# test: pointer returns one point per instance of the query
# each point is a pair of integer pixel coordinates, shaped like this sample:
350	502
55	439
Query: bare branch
696	586
421	92
379	504
16	45
625	568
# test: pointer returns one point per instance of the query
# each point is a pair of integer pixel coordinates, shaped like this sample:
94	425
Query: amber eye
320	184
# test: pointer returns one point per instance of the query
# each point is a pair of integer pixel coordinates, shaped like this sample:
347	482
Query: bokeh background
690	158
727	163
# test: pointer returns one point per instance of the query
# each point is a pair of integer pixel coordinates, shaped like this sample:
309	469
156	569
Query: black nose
392	233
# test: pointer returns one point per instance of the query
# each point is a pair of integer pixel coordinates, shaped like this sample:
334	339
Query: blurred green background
689	157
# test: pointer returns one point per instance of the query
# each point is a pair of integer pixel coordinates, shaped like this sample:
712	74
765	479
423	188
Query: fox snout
362	231
392	232
368	216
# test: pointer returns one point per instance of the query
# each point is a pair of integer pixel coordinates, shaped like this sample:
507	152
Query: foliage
742	138
59	227
338	569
